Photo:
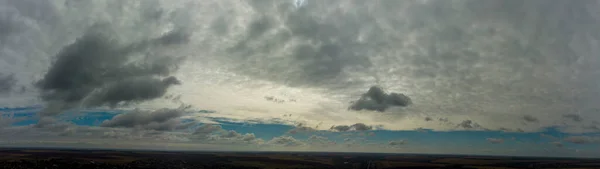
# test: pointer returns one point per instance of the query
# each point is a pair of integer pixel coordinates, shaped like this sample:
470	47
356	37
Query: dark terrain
113	159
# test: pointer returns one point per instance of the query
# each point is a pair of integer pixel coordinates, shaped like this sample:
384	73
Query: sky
494	77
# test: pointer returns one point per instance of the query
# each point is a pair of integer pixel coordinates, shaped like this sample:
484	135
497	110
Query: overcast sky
340	65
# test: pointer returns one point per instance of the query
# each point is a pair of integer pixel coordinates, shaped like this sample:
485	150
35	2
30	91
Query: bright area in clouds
495	66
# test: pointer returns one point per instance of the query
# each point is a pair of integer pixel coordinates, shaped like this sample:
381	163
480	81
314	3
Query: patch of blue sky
92	118
25	122
21	115
11	109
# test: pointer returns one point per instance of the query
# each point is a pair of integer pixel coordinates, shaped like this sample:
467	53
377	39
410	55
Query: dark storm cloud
162	119
377	100
7	82
573	117
133	89
529	118
97	68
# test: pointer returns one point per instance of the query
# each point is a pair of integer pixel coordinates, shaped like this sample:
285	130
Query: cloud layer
519	66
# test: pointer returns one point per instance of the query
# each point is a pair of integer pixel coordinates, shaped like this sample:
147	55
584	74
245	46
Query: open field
90	159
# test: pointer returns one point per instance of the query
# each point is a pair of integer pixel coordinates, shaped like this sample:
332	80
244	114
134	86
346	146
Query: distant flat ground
90	159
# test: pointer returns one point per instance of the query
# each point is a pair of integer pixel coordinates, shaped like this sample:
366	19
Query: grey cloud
162	119
361	127
529	118
354	127
249	137
236	138
273	99
428	119
51	124
323	52
49	128
557	144
548	136
301	129
592	127
315	140
573	117
504	129
421	129
117	134
95	67
582	139
396	142
315	137
231	134
133	89
285	141
7	82
221	136
204	131
37	10
377	100
6	121
341	128
469	56
468	124
45	121
455	57
129	134
495	140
